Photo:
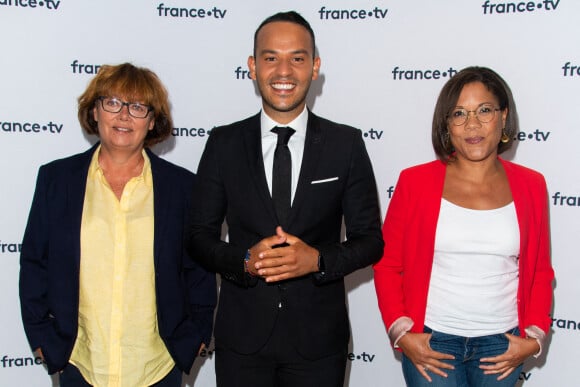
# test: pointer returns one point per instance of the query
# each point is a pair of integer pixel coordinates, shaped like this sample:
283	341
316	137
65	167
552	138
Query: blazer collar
313	146
162	191
76	192
76	184
252	137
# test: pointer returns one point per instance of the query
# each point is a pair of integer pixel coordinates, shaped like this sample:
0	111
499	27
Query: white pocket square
324	180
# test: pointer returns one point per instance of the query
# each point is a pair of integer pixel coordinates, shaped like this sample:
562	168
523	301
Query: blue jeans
467	351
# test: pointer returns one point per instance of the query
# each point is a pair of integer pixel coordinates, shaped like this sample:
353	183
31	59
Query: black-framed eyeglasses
114	105
484	113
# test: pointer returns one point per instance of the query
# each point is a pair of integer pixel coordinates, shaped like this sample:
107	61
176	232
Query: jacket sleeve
200	287
207	218
202	296
388	272
33	284
540	298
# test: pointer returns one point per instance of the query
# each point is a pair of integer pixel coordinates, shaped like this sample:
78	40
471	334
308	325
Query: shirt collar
146	175
298	124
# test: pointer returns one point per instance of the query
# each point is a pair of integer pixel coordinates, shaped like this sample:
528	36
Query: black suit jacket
50	257
336	180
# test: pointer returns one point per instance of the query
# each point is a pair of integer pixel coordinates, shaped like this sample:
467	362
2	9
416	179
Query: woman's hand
416	347
519	349
39	353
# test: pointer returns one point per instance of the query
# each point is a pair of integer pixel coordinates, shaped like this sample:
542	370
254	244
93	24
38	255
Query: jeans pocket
502	336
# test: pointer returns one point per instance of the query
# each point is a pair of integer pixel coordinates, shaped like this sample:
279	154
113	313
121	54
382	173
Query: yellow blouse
118	342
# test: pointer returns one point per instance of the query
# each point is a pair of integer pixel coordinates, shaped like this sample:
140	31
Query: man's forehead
282	35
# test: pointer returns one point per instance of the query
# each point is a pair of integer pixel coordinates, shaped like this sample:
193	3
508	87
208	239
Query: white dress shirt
295	144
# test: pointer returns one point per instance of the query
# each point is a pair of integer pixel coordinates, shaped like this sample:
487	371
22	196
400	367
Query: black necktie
282	174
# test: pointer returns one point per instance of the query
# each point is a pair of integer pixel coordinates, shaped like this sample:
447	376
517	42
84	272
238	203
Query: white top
474	281
295	144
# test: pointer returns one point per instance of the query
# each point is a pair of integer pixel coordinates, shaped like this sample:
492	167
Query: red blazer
402	275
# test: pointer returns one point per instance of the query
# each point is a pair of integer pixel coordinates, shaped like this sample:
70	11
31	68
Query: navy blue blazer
50	256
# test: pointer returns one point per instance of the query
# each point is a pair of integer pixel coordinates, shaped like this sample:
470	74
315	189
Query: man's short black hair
290	16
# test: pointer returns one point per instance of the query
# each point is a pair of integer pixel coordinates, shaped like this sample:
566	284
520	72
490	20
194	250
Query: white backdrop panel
370	78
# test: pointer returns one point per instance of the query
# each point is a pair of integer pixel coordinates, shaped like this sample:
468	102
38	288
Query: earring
504	136
446	139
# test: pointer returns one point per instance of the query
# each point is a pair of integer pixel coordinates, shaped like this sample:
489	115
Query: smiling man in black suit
284	180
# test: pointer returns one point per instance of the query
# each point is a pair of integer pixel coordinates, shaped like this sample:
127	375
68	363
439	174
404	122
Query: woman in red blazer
465	282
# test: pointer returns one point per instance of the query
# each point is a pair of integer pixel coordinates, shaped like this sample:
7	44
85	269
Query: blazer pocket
321	181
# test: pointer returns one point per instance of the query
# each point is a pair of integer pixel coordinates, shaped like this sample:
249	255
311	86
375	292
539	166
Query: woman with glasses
465	282
109	296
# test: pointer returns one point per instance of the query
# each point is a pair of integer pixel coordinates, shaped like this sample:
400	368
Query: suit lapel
76	188
520	196
161	194
255	160
310	158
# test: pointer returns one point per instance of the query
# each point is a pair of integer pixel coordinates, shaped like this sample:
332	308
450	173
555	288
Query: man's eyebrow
272	51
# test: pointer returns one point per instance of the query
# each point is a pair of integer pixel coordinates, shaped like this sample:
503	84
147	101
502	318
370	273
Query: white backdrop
383	64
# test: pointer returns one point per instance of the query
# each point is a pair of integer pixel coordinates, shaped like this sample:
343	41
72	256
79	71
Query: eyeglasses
114	105
484	113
